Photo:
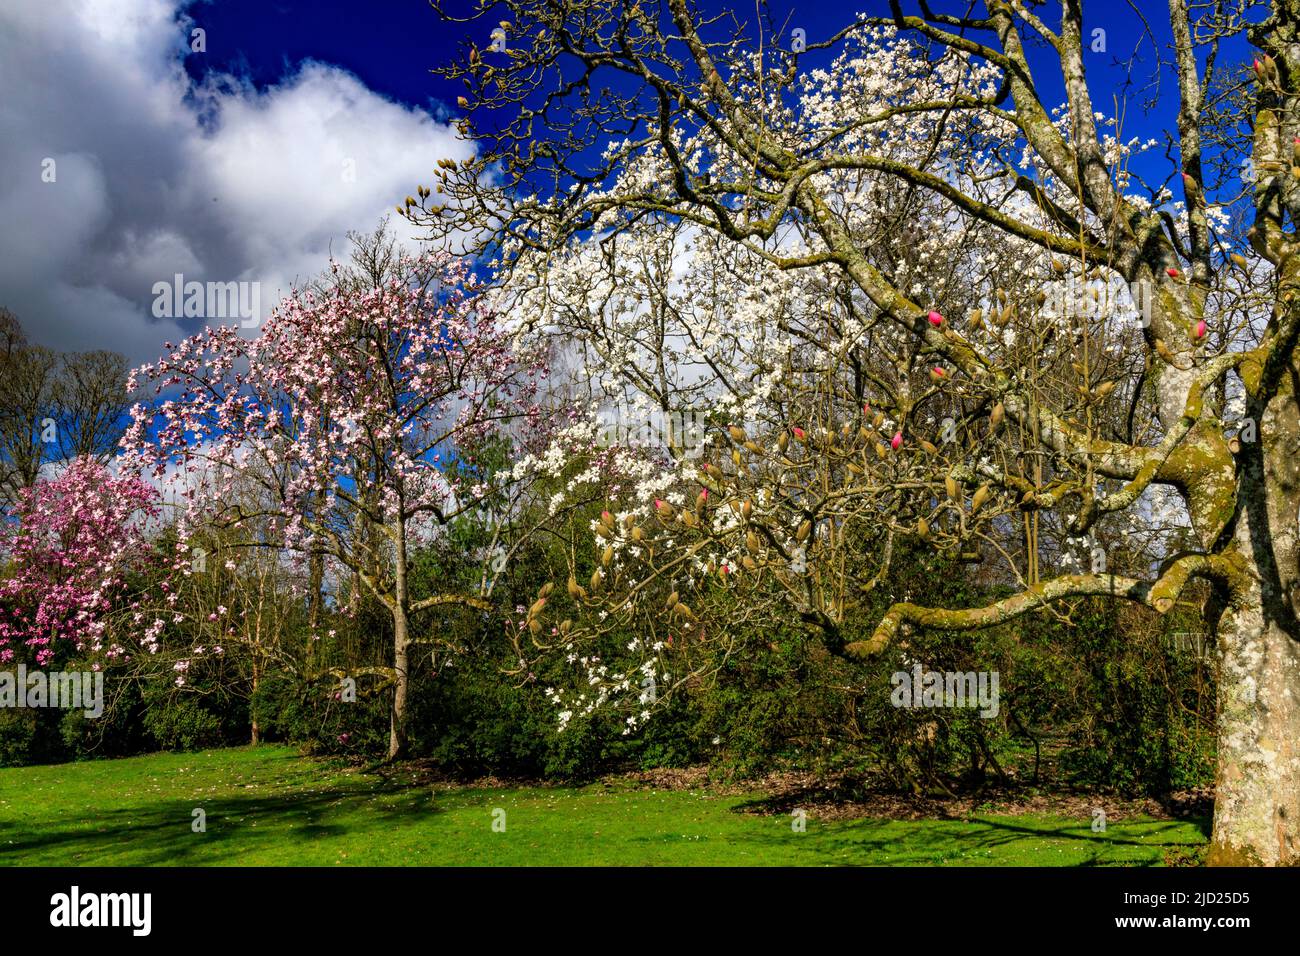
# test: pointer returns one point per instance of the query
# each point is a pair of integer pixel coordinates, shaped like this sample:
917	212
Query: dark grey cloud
153	176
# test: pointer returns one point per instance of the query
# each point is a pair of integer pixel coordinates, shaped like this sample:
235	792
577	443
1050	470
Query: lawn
269	806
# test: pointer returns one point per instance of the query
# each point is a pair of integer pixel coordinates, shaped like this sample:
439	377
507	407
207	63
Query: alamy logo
653	428
921	688
1074	297
103	909
69	690
208	300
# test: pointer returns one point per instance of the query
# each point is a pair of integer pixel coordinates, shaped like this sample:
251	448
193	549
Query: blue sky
392	44
389	44
232	164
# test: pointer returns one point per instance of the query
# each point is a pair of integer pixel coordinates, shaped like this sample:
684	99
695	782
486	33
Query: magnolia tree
357	410
909	177
79	555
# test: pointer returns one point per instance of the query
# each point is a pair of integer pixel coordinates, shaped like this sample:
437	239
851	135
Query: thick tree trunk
1257	795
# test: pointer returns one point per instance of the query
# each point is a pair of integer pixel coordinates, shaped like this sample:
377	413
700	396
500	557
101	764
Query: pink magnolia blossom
73	542
355	405
349	400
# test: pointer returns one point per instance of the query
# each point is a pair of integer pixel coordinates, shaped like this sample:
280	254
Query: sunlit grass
269	806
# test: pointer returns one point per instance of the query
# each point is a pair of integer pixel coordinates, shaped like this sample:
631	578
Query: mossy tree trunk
1257	803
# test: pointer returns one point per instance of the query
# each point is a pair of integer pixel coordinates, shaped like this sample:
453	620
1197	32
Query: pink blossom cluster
72	543
349	399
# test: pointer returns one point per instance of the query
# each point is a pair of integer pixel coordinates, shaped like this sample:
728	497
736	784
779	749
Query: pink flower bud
936	319
1200	329
1173	273
798	432
897	441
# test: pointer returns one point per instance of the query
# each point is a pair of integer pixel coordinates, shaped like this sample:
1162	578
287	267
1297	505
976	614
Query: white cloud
155	176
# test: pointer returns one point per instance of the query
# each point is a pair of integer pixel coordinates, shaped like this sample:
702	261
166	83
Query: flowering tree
357	410
920	188
74	544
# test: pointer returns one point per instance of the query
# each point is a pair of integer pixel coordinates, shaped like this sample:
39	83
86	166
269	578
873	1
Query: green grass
267	805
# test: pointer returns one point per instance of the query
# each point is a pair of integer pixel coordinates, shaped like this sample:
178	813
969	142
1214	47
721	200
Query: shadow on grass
978	839
160	834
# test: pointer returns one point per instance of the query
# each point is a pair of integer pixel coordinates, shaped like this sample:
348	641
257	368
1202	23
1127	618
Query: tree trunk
253	707
1257	793
401	650
401	659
